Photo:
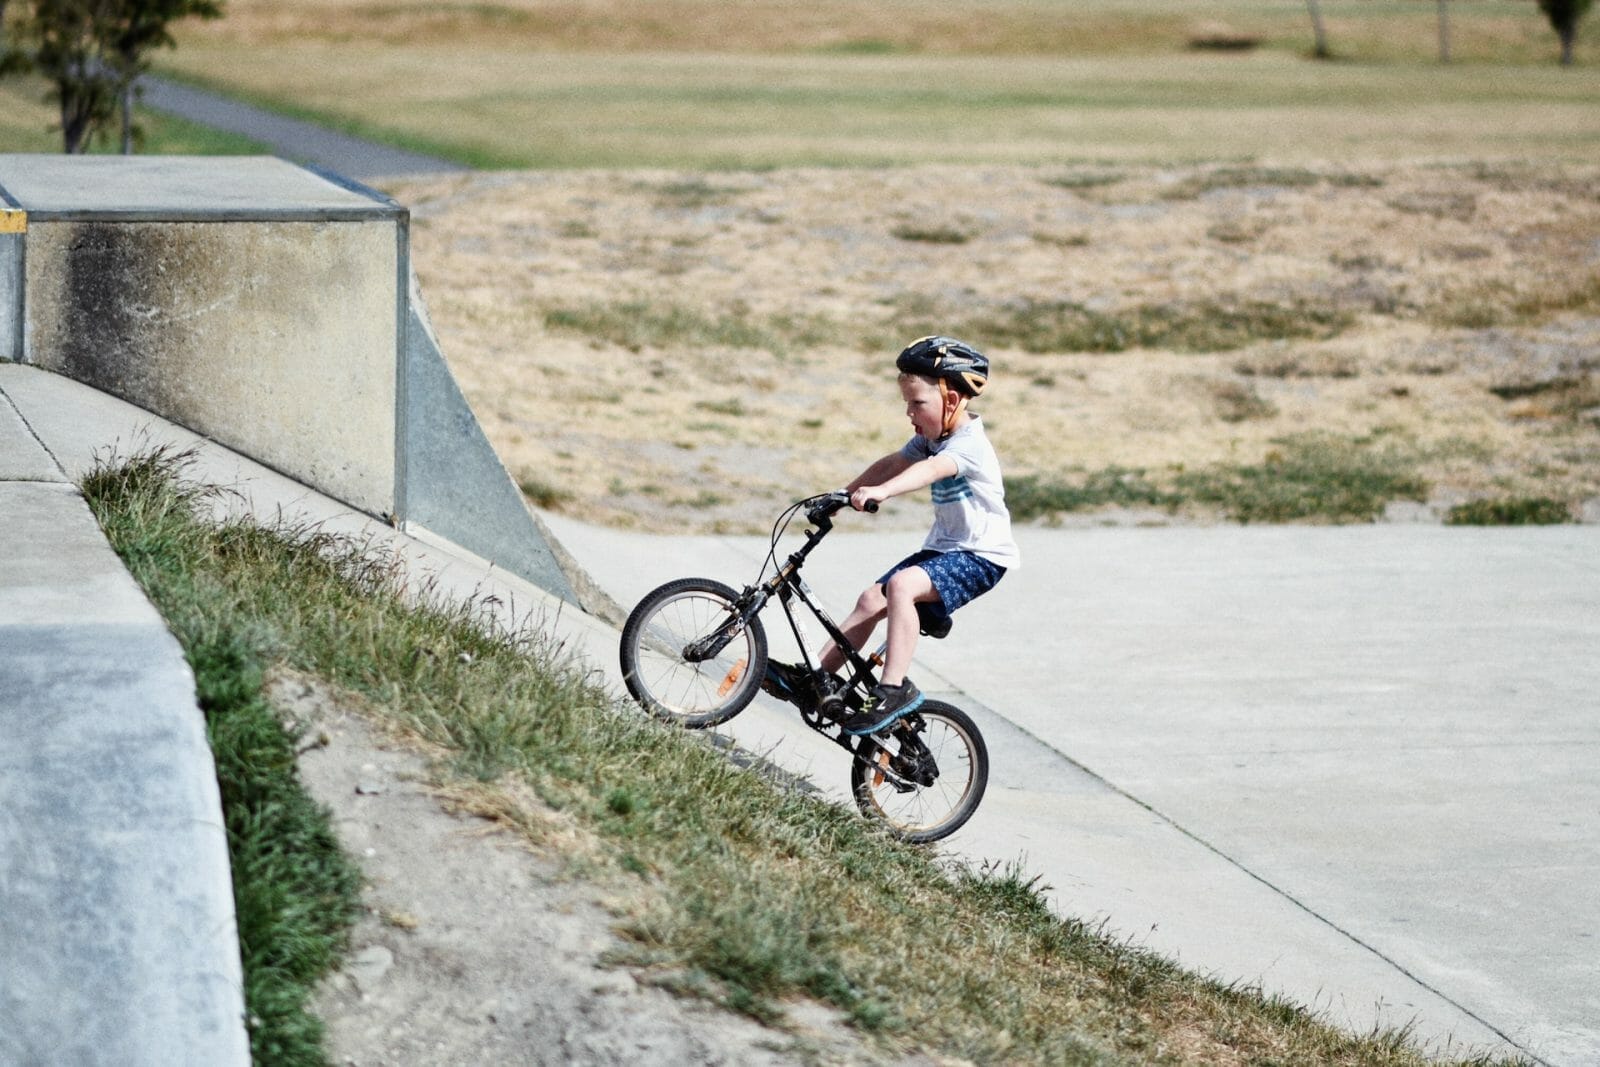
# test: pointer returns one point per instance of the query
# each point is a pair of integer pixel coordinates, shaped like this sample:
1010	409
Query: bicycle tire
937	809
674	688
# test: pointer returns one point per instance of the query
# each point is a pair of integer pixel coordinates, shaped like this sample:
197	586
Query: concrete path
1357	766
302	142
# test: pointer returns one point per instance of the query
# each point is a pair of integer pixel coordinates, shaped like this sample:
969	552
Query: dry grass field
683	351
1216	283
703	83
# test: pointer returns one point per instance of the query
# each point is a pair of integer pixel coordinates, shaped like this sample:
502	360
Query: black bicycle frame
787	584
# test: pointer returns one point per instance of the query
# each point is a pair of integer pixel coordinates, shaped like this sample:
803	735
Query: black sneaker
787	681
794	683
888	703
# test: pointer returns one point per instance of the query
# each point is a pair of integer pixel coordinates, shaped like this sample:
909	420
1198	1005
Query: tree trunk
1320	49
73	126
127	118
1569	37
1444	31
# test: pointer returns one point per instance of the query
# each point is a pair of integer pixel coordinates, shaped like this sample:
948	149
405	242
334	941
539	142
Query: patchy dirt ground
476	948
684	351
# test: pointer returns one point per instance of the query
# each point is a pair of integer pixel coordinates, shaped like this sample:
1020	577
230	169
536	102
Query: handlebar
829	504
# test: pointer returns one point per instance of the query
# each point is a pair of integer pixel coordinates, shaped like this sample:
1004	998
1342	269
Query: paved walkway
302	142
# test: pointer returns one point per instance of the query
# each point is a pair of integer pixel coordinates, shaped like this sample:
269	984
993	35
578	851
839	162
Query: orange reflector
732	678
877	776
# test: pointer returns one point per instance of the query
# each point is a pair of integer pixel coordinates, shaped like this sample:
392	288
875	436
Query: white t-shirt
969	507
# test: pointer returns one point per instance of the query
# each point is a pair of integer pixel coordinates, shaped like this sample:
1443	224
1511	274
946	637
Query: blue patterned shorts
956	576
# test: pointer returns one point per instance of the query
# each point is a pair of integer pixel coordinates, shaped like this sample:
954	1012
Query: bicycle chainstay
913	767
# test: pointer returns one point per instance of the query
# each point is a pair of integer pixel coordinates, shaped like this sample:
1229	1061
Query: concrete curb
118	941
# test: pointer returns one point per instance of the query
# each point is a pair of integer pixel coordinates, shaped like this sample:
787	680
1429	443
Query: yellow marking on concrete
13	221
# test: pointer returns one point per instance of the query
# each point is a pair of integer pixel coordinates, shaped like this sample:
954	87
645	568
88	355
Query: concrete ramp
270	308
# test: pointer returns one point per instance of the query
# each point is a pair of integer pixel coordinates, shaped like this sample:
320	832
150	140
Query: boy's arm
907	479
878	471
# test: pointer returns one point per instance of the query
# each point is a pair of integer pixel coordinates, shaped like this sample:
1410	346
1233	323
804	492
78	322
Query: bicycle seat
933	622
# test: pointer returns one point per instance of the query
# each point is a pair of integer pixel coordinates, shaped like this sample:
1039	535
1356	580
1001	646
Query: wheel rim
675	685
926	809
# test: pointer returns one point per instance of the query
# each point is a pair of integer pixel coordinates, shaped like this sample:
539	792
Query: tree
67	42
1565	15
92	53
1318	32
1444	31
140	27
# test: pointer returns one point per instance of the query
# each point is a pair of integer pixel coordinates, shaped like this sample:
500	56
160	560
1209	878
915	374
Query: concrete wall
272	309
276	338
13	224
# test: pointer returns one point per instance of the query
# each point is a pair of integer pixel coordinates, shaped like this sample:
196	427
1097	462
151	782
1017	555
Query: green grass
1307	477
1048	326
1310	476
721	110
27	124
295	892
730	885
640	324
682	84
1032	497
1510	511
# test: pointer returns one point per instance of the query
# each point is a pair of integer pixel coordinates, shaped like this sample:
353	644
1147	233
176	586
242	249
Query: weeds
295	893
639	324
1030	497
754	891
1078	181
1065	326
1310	476
1510	511
1240	402
543	494
932	234
1242	178
691	193
1502	303
1306	477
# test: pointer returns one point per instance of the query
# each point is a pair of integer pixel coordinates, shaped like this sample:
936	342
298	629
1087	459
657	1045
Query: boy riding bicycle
967	551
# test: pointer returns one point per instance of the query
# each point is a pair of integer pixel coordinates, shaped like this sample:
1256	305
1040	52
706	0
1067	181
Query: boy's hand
867	494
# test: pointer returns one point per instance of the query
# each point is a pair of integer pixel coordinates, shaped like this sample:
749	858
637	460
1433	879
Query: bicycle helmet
951	362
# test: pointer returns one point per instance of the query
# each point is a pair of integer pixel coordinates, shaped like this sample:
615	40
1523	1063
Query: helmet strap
951	414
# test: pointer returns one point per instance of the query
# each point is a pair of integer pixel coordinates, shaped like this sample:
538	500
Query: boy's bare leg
905	590
858	627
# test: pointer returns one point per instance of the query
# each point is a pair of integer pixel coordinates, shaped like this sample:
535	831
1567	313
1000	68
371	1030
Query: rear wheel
924	777
674	681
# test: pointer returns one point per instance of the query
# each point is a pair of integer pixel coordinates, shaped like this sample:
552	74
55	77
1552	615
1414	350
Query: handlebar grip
871	507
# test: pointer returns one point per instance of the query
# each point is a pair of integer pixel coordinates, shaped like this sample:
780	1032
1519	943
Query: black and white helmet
956	363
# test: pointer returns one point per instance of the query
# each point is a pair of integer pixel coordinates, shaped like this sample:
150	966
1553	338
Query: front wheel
686	657
923	778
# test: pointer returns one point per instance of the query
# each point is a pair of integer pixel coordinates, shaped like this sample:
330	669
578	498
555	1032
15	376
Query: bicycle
694	652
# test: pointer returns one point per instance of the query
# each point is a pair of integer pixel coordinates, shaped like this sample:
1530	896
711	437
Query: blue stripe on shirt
949	490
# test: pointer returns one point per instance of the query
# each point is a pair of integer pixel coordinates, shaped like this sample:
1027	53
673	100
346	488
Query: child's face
924	406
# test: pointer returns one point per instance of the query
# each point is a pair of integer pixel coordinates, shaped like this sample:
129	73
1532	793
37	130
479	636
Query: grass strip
1053	326
295	892
1510	511
1316	477
742	890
